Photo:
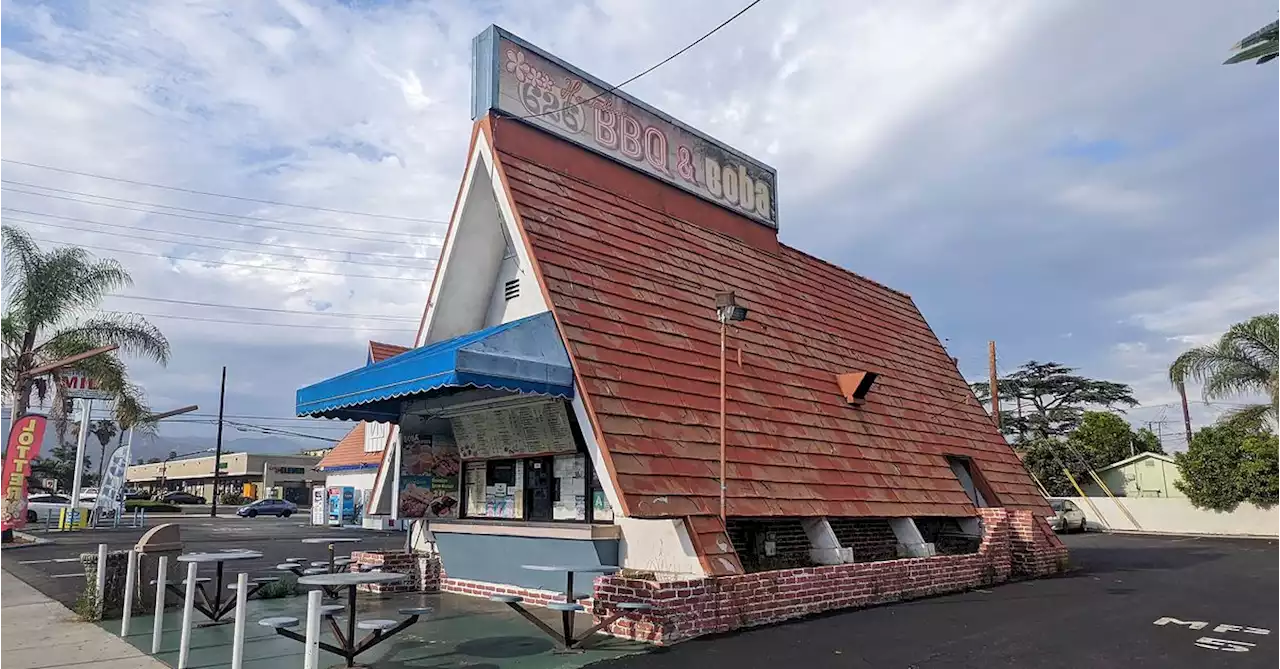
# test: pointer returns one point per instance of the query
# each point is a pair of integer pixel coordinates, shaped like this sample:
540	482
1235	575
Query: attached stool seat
634	606
314	570
328	610
287	566
295	559
565	606
279	622
416	611
199	579
265	579
506	599
377	624
320	563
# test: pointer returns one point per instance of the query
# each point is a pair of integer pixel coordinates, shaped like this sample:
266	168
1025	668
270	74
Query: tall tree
51	313
1102	438
1048	399
1228	464
1243	362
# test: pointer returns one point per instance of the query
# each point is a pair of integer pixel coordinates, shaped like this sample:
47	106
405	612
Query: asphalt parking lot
55	570
1104	613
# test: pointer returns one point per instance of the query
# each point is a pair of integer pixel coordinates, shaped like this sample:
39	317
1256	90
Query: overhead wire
242	198
657	65
327	230
238	264
75	219
334	314
218	248
276	325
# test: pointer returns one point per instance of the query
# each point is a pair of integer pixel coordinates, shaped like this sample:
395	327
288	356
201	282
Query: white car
45	507
1066	516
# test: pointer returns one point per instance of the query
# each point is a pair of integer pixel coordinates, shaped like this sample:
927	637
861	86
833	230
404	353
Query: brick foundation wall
398	561
1035	549
871	539
687	609
485	589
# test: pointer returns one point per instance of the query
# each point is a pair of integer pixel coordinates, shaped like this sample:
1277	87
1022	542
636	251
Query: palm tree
1261	45
50	314
1241	362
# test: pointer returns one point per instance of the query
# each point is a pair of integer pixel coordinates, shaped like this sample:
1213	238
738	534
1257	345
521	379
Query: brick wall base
397	561
1014	544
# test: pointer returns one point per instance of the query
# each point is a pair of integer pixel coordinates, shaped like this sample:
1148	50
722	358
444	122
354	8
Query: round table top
331	540
357	578
580	568
220	556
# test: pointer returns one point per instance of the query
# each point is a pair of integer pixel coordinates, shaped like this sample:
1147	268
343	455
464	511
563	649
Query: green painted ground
464	632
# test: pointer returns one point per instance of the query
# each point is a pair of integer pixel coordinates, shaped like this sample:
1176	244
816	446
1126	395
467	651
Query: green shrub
151	505
233	499
287	586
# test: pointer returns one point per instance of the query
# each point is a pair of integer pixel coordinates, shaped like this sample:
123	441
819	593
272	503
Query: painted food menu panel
429	469
530	429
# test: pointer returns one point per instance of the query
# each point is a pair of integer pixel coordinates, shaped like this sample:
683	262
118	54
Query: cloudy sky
1081	181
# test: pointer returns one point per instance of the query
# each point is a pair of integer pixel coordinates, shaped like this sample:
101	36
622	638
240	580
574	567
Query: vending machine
342	505
319	505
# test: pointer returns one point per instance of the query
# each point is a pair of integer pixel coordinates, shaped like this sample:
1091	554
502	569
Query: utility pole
1186	412
995	390
217	448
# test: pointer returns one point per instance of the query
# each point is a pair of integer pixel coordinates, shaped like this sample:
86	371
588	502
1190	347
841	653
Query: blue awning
525	356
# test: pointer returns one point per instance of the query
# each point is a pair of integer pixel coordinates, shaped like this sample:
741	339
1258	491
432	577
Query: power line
223	195
336	314
211	246
211	238
326	228
666	60
236	264
276	325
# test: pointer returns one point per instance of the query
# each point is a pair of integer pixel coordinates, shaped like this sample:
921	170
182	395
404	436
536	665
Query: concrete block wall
1176	515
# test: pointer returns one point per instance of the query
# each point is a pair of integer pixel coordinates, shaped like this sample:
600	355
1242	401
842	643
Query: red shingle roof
379	351
631	266
350	451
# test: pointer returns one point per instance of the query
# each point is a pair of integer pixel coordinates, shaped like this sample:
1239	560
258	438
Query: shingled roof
630	267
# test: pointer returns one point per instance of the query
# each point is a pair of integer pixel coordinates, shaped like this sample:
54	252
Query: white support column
237	640
130	581
311	650
100	580
824	547
910	542
162	577
188	611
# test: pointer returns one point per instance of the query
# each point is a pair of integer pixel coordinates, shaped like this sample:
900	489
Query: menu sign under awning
528	429
520	80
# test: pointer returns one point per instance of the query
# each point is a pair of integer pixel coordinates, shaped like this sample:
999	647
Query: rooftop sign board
517	79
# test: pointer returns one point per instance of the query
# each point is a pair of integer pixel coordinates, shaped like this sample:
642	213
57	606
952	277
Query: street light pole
217	452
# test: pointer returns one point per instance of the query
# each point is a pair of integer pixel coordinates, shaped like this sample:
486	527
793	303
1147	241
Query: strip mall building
562	402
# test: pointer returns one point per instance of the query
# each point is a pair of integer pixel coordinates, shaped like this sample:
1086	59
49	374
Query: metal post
130	582
87	406
242	605
217	451
724	326
100	579
162	577
311	652
188	608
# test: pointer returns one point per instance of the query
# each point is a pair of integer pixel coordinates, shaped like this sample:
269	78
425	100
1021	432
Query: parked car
180	497
1066	516
47	506
268	507
136	494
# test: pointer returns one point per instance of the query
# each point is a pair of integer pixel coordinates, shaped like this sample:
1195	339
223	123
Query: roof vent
511	289
855	385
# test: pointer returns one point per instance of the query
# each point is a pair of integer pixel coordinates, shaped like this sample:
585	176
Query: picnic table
215	608
299	566
348	647
570	606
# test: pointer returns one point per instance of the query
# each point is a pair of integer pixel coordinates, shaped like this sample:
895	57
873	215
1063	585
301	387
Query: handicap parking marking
1217	643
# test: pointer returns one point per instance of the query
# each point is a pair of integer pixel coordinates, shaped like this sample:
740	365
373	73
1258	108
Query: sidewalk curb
32	540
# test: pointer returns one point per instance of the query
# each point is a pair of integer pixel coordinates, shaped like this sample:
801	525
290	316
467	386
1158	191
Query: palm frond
1253	418
133	334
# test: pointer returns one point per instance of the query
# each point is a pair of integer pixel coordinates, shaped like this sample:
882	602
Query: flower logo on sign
526	73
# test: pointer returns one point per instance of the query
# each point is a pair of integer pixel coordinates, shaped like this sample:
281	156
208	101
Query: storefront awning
525	356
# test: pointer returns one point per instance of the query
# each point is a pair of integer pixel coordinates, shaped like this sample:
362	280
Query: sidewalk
39	633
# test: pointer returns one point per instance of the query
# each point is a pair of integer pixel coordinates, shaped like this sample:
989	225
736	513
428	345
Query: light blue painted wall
497	559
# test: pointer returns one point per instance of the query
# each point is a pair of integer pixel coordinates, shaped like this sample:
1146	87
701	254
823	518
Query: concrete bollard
100	580
130	579
162	577
311	654
188	609
242	606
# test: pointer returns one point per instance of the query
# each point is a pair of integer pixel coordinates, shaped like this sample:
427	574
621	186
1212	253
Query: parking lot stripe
66	575
74	559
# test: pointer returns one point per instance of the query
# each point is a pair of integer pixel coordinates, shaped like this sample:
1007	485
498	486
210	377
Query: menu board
529	429
428	477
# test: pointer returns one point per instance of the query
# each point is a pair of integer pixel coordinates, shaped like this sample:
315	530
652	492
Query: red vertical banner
23	447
